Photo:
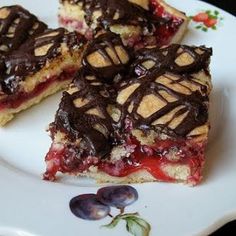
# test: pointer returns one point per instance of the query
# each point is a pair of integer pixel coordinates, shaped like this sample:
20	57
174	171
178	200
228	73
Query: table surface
230	6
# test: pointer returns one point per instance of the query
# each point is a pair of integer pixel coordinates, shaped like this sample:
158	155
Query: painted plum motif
98	206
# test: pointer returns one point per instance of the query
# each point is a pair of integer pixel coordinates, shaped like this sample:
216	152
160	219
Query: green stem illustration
135	225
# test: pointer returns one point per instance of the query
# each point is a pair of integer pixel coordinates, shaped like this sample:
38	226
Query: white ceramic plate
32	207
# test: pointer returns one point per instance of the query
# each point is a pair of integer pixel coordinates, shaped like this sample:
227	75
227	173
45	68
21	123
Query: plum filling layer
153	159
16	100
165	32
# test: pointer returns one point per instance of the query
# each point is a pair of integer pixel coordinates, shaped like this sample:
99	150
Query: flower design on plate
207	20
98	206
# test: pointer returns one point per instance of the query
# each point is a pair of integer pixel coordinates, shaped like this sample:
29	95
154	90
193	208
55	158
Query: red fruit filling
64	159
78	26
165	32
149	158
15	100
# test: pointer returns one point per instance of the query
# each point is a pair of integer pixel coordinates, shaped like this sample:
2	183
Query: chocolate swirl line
113	53
164	58
88	122
195	102
2	66
18	25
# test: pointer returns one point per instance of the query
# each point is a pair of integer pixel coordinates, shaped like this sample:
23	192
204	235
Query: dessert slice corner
43	65
178	20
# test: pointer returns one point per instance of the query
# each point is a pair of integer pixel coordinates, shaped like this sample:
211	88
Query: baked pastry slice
83	124
164	111
139	22
40	67
152	125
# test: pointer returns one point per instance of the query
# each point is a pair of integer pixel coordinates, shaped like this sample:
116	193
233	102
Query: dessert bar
41	66
147	122
139	22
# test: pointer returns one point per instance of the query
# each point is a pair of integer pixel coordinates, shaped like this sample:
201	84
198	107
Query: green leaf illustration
213	17
138	226
198	27
134	224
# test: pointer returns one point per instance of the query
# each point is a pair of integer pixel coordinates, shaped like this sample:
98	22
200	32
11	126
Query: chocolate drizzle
112	52
16	26
2	65
164	59
115	12
194	103
183	90
88	120
34	54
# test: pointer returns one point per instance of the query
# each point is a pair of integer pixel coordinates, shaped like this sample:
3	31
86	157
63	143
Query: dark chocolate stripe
164	59
17	27
100	45
164	64
79	125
